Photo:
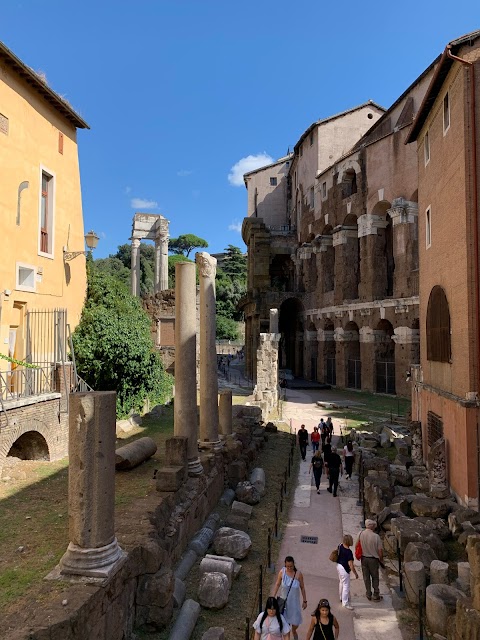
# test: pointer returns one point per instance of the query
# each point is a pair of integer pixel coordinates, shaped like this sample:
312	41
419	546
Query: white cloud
244	165
235	225
140	203
183	173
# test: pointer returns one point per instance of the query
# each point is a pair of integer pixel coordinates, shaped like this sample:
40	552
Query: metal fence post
247	628
260	590
399	557
420	614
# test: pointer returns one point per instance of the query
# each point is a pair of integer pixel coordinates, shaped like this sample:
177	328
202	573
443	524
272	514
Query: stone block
415	581
463	580
441	602
429	507
213	590
242	509
217	564
237	522
438	572
246	492
176	451
420	552
214	633
257	478
232	542
400	475
170	479
156	590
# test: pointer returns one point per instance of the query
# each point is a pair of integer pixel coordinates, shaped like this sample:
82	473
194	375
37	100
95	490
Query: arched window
438	326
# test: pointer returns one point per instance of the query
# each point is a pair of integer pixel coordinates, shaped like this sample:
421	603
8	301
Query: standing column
185	403
273	320
208	355
135	267
93	550
157	259
163	262
225	418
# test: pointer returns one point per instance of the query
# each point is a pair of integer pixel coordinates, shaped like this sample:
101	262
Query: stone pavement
328	518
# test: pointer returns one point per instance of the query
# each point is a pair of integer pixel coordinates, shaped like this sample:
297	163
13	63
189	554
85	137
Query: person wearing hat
372	558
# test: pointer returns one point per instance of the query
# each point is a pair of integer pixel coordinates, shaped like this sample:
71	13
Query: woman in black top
344	567
323	625
317	466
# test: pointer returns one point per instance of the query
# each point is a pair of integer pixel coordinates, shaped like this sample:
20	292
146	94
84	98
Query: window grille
434	428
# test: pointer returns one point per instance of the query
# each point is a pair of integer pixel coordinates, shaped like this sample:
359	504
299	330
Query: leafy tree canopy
172	261
185	244
113	345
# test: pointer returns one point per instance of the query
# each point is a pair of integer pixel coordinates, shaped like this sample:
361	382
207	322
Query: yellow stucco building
40	219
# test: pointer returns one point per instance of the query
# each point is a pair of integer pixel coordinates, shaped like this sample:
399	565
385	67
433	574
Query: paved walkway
328	518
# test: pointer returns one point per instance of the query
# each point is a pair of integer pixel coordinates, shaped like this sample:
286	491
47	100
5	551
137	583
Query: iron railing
23	382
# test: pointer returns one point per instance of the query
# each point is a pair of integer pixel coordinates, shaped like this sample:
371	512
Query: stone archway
31	445
385	358
291	327
42	438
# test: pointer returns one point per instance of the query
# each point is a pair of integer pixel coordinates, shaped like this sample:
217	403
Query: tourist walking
329	424
334	463
348	458
344	567
288	585
322	427
315	439
303	441
327	448
317	466
372	558
271	624
323	625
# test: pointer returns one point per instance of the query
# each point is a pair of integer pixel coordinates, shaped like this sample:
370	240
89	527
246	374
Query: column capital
368	224
207	264
343	233
403	211
405	335
135	242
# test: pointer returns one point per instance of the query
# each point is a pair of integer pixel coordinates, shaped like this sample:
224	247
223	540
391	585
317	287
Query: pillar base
93	563
195	467
210	445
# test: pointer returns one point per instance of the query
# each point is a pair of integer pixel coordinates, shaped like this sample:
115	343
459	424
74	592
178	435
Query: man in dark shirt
334	464
303	441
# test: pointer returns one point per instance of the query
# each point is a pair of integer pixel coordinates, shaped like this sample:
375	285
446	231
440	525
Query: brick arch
32	424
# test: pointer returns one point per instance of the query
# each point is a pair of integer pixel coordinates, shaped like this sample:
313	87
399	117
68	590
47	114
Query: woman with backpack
317	466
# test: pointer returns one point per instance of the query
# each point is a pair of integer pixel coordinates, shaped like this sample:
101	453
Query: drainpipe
471	68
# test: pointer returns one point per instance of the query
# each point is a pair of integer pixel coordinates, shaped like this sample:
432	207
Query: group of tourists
283	610
325	456
283	614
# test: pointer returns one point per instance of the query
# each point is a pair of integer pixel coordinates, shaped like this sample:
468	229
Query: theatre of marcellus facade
365	238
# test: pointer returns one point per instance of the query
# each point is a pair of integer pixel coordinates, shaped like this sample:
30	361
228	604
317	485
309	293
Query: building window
25	277
324	189
349	183
273	182
428	227
434	428
438	327
446	113
47	195
311	139
312	198
426	148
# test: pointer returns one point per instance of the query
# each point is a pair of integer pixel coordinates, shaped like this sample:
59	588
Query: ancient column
185	403
93	550
225	412
135	267
208	356
273	320
161	262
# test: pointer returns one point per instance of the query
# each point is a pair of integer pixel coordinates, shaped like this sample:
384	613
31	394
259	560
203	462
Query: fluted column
208	356
185	403
161	262
135	267
93	550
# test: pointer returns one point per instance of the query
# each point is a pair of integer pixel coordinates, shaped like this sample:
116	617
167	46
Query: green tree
185	244
113	345
226	328
172	261
147	263
114	267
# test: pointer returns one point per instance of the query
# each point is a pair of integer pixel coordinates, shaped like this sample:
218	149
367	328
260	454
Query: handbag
333	557
358	549
282	602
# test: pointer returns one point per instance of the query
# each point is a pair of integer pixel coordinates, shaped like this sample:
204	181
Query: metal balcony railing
23	382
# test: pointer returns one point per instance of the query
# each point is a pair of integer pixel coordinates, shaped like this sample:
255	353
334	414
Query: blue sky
178	92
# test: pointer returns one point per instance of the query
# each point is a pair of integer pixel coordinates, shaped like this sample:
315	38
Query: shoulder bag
358	548
333	557
282	602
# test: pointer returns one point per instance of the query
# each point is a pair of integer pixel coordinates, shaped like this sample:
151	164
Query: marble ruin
149	226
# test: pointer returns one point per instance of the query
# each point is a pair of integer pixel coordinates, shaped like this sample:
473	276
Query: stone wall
266	389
